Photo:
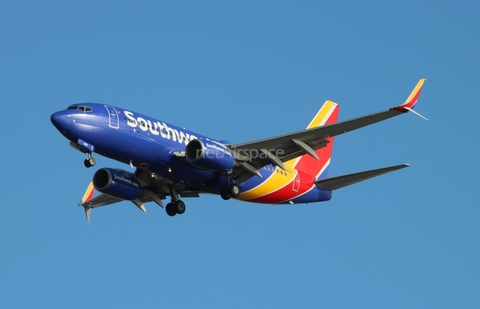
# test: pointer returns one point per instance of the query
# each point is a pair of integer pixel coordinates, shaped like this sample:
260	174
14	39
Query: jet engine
209	155
117	183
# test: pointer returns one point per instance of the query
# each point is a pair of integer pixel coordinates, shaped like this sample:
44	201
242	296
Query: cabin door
113	121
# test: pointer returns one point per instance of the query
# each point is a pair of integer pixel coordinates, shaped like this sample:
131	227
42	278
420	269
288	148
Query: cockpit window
80	107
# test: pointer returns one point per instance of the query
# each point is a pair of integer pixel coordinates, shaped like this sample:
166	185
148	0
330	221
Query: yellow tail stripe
320	118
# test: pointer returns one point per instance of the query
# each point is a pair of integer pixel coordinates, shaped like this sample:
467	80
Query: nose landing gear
89	161
87	148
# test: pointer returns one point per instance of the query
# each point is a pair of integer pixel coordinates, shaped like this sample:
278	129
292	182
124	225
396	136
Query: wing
155	189
279	149
338	182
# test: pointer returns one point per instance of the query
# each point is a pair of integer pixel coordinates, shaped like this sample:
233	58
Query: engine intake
209	155
117	183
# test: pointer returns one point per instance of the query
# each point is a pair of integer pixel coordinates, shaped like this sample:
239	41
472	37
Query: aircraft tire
171	209
225	194
179	207
89	162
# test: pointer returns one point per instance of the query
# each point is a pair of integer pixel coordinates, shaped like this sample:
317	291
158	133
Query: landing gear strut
176	206
89	161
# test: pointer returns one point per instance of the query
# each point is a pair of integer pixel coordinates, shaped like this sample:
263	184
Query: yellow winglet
412	100
88	193
86	197
413	97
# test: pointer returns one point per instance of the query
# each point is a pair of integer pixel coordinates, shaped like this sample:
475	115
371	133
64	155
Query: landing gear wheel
234	190
171	209
89	162
179	207
225	194
175	207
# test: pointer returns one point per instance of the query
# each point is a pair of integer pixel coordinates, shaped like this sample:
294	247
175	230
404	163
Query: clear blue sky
241	71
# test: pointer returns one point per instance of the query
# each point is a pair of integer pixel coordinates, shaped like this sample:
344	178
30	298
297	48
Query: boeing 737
171	162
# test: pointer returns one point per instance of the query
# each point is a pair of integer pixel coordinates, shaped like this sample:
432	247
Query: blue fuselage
142	141
133	139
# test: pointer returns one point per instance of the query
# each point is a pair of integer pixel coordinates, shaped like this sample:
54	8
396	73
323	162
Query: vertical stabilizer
327	114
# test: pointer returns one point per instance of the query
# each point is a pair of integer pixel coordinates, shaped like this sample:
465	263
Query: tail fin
327	114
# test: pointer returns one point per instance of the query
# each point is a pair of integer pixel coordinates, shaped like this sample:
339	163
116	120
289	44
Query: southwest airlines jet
172	162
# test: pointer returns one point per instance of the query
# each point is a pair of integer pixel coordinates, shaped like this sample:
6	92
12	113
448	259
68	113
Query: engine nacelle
117	183
209	155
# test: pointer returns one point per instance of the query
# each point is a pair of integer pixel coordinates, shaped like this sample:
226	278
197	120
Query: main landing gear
230	191
176	206
89	161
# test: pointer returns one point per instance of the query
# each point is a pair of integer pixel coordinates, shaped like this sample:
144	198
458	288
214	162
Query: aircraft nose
59	120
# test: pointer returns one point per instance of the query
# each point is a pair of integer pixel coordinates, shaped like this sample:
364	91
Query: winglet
88	193
86	197
412	100
413	97
88	210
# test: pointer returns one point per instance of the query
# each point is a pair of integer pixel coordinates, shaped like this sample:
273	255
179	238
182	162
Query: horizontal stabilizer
338	182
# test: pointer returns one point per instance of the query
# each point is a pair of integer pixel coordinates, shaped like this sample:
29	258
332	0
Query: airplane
173	162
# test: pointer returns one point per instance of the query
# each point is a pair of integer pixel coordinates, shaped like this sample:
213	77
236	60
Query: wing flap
338	182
